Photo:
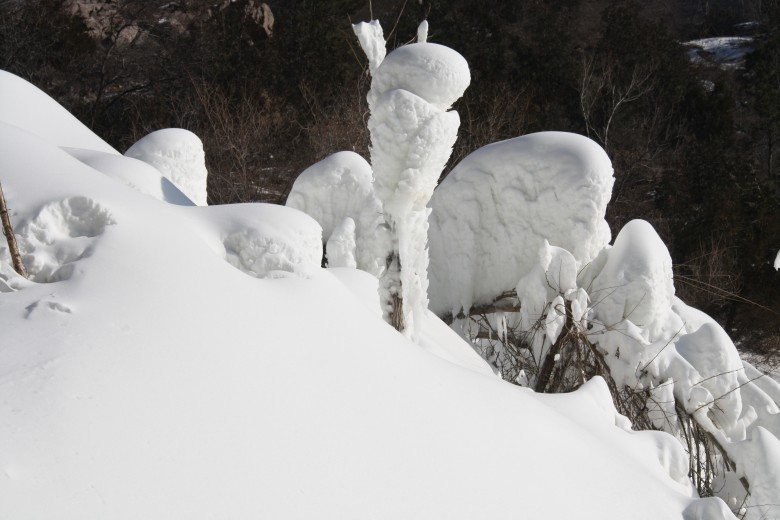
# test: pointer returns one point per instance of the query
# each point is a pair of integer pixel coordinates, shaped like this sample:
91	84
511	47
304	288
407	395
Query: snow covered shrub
179	156
412	134
495	210
340	187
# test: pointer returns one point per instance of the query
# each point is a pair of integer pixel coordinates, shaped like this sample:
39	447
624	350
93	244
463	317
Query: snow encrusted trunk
412	134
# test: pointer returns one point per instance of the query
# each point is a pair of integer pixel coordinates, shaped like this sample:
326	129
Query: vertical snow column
412	134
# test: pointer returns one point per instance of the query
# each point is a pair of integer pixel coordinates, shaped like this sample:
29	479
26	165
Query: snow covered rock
178	155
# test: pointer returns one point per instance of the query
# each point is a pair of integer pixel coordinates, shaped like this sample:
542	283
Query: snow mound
433	72
26	106
62	233
636	281
263	240
133	173
333	189
178	155
494	211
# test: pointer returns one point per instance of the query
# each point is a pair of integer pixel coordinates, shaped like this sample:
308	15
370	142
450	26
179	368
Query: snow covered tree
412	134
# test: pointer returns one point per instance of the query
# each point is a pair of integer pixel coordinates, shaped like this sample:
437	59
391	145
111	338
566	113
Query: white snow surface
431	71
337	187
157	381
340	187
133	173
178	155
26	106
492	214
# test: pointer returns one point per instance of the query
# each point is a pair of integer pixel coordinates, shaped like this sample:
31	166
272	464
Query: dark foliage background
694	147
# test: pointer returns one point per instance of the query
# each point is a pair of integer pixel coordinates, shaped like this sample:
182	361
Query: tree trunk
8	231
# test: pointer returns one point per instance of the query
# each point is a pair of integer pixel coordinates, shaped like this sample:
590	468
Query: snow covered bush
412	134
333	190
498	206
178	155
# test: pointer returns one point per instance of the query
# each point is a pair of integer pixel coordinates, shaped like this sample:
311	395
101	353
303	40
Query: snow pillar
412	134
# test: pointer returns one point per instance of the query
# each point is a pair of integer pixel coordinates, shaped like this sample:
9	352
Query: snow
27	107
178	155
156	380
372	41
431	71
412	135
340	187
727	52
494	211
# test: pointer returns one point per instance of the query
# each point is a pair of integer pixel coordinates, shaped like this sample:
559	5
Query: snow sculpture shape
494	211
412	135
178	155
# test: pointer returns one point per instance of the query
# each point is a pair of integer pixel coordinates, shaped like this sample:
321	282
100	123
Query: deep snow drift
145	376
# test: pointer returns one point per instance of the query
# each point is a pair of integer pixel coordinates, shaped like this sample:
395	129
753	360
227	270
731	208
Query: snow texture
372	41
340	187
492	214
178	155
341	245
412	135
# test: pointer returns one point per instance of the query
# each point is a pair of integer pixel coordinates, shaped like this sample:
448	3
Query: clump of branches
572	358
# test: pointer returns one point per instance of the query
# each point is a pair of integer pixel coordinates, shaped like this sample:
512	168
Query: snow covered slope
150	378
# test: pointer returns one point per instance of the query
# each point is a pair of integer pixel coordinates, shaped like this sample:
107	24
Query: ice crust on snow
178	155
494	211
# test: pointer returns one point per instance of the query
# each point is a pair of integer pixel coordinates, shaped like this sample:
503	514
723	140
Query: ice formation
178	155
494	211
412	135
